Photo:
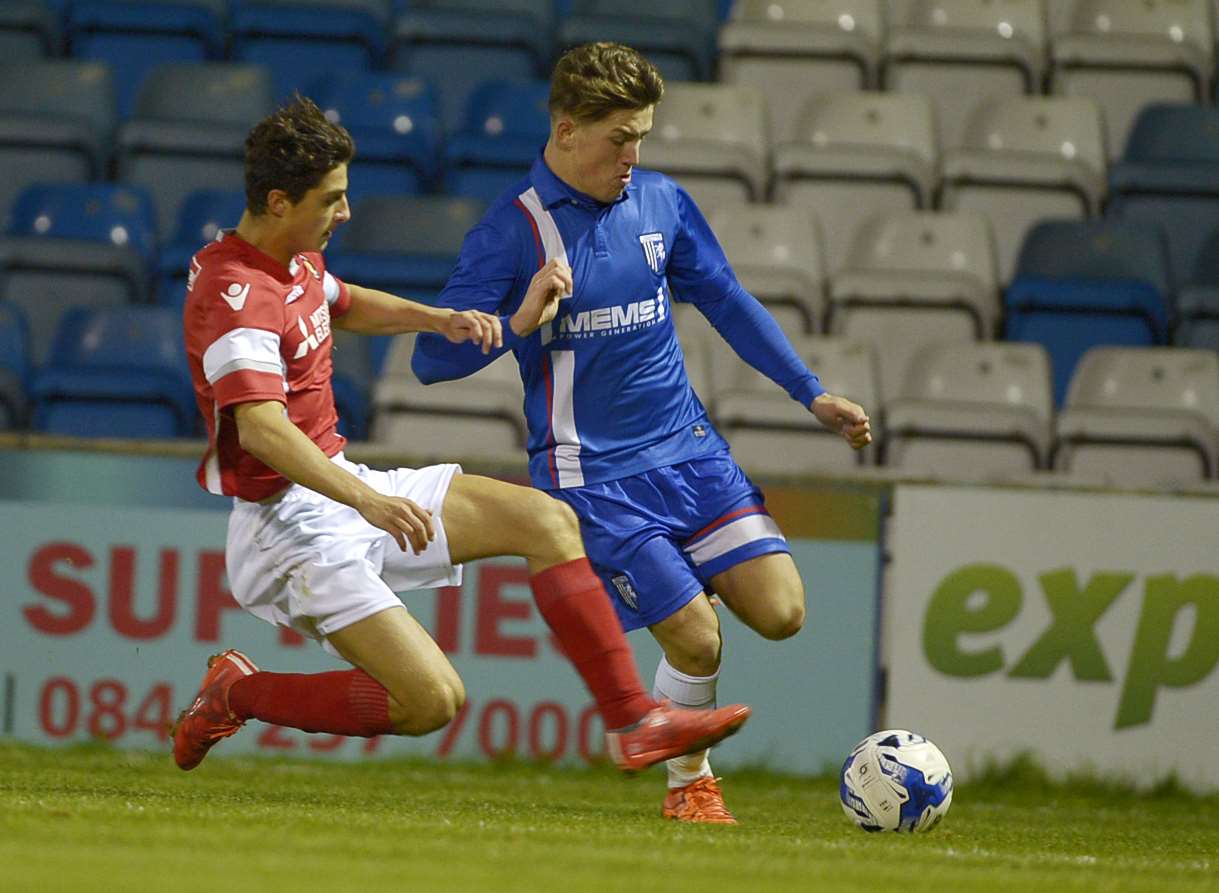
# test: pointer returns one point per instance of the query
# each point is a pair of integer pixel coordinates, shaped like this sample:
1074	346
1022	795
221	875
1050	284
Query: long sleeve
486	278
699	273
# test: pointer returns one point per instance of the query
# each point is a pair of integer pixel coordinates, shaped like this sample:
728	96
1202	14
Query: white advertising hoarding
1083	628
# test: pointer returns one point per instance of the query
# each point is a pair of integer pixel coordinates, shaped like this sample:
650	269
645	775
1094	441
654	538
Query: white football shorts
316	566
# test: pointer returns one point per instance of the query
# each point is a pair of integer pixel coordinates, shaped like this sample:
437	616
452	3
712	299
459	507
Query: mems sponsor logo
616	320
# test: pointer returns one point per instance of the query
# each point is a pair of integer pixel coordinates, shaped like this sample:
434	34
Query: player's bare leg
425	691
765	593
484	517
690	639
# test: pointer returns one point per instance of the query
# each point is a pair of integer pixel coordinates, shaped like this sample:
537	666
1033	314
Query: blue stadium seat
506	124
136	37
56	122
1081	284
120	372
122	216
406	246
394	122
307	42
29	30
1169	175
189	129
202	215
14	366
458	44
86	245
678	36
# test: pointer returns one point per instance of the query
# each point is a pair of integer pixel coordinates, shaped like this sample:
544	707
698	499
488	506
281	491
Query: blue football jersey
606	392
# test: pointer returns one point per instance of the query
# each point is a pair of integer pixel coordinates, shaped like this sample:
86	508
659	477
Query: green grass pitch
91	818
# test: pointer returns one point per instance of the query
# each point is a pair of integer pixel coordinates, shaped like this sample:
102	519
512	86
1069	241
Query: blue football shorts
657	538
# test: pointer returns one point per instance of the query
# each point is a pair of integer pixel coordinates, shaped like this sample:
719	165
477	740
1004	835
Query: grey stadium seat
858	154
56	123
971	410
1141	417
793	49
188	131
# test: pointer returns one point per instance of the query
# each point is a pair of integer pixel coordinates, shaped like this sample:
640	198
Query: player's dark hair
292	150
596	79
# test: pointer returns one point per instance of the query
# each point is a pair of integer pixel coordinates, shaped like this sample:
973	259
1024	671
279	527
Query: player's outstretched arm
374	312
847	418
269	435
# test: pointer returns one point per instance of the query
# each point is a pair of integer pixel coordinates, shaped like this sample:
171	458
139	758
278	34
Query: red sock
342	702
576	608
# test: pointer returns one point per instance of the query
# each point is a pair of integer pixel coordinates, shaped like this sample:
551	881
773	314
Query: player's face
606	151
314	218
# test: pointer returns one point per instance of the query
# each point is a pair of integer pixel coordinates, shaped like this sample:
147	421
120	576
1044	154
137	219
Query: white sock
693	692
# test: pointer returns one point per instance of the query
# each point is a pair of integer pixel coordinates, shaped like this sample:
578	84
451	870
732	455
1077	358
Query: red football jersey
257	330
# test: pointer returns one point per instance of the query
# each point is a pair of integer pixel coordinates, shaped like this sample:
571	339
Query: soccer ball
895	781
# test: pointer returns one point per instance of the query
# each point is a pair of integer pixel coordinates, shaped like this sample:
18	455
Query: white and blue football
895	781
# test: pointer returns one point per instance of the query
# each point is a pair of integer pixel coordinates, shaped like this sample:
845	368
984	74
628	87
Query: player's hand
402	519
483	329
549	285
847	418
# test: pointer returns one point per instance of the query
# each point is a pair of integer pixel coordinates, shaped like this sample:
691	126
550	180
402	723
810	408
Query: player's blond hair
593	80
293	150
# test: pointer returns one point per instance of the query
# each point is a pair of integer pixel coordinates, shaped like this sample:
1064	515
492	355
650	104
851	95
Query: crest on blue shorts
626	591
654	250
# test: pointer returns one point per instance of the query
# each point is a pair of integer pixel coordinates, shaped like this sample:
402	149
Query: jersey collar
553	191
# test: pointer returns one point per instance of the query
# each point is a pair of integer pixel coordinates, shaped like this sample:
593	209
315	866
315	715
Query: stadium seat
966	53
29	30
201	217
676	36
119	372
307	42
791	50
858	154
772	434
133	38
477	417
56	122
506	124
352	382
459	44
189	129
1141	417
1026	159
395	123
73	246
776	253
698	341
1127	54
14	366
711	138
973	410
403	245
1081	284
1169	175
119	216
912	279
1197	306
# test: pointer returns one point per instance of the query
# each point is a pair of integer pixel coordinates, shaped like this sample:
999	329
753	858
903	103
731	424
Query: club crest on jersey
654	250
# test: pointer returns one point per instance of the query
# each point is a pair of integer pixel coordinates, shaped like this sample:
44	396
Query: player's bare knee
697	652
433	710
558	529
784	621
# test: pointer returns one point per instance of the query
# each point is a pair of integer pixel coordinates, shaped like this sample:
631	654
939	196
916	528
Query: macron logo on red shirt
235	295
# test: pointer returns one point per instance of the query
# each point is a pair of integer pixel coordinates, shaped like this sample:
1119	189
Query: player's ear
277	202
564	128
